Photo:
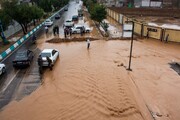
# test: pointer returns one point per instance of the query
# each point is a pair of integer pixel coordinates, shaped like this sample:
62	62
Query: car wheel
87	31
15	67
3	70
29	63
57	57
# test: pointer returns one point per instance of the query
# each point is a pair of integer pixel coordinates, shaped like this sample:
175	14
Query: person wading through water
34	39
88	43
40	63
46	29
49	62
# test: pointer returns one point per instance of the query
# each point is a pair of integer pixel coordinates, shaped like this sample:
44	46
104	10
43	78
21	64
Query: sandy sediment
95	85
84	85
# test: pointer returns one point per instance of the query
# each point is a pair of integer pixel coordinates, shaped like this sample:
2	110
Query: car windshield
68	21
48	21
45	55
21	55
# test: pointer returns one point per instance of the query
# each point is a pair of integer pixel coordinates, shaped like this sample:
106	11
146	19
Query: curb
24	38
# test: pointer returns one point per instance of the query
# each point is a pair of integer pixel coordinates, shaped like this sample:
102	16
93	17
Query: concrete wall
138	28
141	29
174	35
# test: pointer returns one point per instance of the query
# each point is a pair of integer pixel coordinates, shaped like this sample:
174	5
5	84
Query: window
53	52
45	54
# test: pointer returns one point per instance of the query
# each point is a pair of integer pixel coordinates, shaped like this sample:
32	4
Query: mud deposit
73	39
95	85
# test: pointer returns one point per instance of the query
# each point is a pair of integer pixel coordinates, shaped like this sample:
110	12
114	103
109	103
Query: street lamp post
2	34
129	68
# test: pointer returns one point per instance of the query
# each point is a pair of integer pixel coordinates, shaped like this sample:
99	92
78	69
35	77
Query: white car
48	22
87	29
69	23
2	68
78	28
53	54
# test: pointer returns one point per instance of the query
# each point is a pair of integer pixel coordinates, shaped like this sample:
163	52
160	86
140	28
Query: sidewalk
12	39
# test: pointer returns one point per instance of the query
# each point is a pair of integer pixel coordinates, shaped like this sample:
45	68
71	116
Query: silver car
2	68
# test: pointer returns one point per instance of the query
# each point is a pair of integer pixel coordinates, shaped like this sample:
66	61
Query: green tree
98	13
90	5
22	13
5	19
36	13
46	5
57	4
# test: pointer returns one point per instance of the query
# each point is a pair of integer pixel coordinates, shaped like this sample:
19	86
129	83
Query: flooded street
94	84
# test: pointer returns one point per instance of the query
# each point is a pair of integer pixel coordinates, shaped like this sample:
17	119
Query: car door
29	55
55	55
0	71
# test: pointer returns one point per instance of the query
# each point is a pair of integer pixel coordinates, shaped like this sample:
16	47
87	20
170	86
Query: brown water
95	85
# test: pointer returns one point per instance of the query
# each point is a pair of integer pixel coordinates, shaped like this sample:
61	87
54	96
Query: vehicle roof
69	20
24	51
2	64
48	19
47	50
75	16
79	25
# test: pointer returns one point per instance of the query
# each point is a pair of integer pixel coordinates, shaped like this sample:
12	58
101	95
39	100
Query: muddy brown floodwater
95	85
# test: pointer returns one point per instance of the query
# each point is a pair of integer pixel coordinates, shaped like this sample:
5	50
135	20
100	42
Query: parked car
80	13
48	22
69	23
75	18
53	54
78	28
23	58
87	29
66	8
2	68
57	16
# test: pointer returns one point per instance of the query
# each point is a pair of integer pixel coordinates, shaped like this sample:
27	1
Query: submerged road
17	83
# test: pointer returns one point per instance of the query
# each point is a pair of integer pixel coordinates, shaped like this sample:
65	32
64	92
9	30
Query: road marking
10	81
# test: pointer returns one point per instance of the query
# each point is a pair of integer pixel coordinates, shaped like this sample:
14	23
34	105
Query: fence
25	38
144	30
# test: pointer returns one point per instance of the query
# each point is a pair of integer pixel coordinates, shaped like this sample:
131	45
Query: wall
174	35
156	35
141	28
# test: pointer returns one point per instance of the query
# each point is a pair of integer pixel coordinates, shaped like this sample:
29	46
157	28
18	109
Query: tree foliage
46	5
22	13
5	19
98	13
36	13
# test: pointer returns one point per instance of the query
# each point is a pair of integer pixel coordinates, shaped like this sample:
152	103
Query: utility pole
129	68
